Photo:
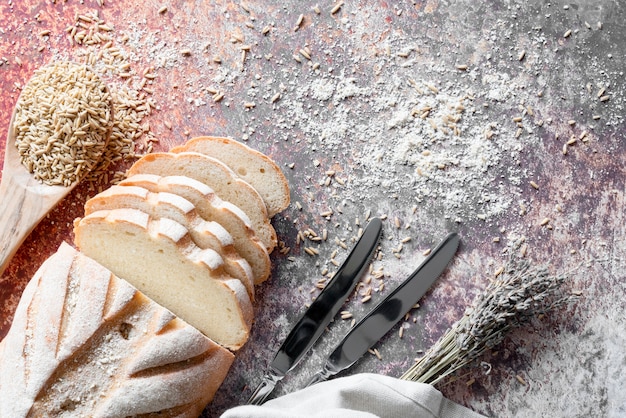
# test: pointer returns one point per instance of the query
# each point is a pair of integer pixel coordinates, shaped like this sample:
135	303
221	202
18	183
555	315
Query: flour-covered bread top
251	165
159	258
212	208
215	174
205	234
85	343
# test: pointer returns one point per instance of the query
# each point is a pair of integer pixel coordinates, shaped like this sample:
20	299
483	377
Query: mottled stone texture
352	130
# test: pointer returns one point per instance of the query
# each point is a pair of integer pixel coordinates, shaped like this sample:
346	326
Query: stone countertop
500	120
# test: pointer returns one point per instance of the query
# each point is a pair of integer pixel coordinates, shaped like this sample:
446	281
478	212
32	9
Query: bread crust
158	257
205	234
212	208
87	343
251	165
215	174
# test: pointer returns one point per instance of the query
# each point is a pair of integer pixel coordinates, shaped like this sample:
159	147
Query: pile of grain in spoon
62	120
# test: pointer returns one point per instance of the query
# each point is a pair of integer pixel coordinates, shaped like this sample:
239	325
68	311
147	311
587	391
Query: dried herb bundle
518	295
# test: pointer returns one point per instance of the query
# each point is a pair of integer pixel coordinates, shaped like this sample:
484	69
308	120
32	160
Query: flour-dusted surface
501	120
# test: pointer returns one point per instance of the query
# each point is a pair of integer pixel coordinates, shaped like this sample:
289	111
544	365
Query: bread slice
158	257
212	208
85	343
251	165
218	177
205	234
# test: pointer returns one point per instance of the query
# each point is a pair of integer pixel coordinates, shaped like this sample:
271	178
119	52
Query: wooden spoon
24	200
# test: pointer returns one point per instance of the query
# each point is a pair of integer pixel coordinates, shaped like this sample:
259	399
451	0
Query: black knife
315	319
388	312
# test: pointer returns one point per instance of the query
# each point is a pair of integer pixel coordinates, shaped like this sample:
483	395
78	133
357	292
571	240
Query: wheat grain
62	121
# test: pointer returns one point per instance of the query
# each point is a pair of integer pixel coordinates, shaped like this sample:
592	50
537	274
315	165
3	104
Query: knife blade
319	314
389	311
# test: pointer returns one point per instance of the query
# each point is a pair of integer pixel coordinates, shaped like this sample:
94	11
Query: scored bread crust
158	257
205	234
218	177
86	343
251	165
212	208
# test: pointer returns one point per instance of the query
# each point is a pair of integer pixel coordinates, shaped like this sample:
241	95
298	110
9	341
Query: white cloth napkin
362	395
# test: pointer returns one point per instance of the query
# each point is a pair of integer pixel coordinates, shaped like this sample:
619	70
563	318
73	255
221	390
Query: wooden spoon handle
21	212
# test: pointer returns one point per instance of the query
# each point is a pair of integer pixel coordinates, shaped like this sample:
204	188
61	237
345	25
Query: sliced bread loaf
218	177
158	257
205	234
85	343
212	208
251	165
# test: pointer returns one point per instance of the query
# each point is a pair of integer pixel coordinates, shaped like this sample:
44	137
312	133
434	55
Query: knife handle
265	388
318	315
321	376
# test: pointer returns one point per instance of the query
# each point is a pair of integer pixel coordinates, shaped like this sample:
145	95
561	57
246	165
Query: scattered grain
432	88
336	8
298	23
305	54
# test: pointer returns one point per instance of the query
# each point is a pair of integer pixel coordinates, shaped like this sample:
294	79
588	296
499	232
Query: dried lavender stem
519	295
